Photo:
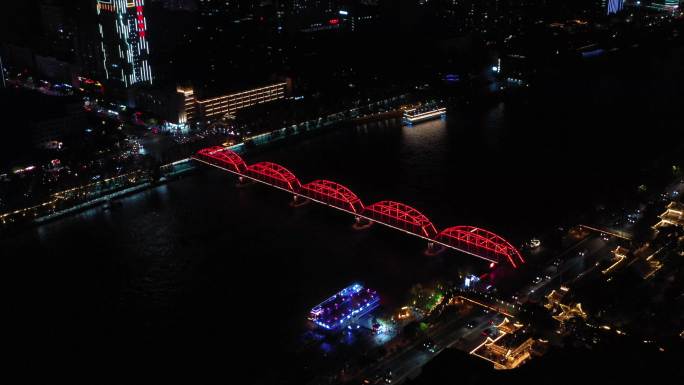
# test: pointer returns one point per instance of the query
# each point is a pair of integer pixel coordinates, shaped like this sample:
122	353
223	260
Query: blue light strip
615	6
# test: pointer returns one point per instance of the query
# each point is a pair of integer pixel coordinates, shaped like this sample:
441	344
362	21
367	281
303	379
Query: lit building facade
195	110
125	50
231	103
673	216
188	110
308	5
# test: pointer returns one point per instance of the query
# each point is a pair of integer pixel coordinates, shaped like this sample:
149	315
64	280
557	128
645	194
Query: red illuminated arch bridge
221	156
275	174
467	239
480	242
402	216
333	194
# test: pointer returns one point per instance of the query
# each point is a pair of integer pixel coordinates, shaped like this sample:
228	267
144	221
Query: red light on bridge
334	194
334	21
481	242
275	174
403	217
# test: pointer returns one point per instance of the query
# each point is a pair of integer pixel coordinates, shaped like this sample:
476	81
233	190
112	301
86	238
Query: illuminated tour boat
343	308
423	113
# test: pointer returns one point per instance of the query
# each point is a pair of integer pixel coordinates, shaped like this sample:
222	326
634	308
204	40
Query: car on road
380	378
429	346
470	324
388	377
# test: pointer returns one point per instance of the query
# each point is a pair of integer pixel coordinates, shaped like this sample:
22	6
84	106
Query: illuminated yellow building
673	216
555	297
568	312
197	110
620	254
562	312
511	348
188	112
502	355
653	266
509	327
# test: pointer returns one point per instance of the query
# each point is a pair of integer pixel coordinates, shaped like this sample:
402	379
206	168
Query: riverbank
81	198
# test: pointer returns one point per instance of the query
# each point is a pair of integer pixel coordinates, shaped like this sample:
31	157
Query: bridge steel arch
402	216
275	174
480	242
334	194
223	157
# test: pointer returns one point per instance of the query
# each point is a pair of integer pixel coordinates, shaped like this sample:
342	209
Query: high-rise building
311	5
228	8
3	84
67	34
614	6
125	50
58	33
180	5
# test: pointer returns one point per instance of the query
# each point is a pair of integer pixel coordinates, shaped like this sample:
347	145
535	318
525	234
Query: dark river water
199	277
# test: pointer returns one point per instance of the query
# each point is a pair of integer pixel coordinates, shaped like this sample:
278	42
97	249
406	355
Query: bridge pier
361	223
434	249
243	182
298	201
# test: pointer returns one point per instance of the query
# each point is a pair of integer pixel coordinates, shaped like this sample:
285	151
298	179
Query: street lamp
2	72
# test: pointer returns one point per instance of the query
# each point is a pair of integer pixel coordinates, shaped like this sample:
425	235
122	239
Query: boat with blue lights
345	307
